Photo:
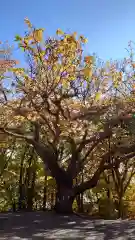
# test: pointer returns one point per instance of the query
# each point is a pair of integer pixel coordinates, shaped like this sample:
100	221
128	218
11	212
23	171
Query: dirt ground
47	225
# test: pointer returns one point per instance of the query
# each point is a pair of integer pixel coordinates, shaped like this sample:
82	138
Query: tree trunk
14	205
64	200
45	193
31	192
78	199
66	192
120	207
81	196
30	180
20	199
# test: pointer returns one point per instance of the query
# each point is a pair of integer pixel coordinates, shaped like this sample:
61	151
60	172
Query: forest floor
48	225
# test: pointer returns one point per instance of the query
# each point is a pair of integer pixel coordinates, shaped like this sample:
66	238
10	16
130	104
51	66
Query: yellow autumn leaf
30	37
133	65
71	39
87	72
60	50
59	32
133	86
72	77
14	70
88	59
97	96
76	105
72	68
38	35
19	118
17	70
115	82
120	75
65	83
55	68
57	79
27	21
49	177
3	145
26	40
83	39
74	34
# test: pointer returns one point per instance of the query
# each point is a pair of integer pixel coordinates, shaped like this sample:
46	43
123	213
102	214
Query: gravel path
41	225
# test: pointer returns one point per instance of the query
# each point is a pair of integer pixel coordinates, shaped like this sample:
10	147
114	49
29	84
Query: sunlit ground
40	225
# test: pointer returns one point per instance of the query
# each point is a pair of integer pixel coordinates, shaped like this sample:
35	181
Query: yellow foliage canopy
50	86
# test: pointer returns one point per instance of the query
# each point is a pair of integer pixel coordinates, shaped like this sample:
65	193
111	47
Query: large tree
65	105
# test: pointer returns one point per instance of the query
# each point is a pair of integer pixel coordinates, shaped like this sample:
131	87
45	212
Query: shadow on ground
47	225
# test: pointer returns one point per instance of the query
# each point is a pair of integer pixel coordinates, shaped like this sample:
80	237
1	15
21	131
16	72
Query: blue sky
108	25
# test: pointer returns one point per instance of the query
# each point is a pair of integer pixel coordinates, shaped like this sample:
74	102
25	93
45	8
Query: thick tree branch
47	154
49	157
125	157
104	164
100	136
75	158
17	133
90	113
90	183
94	180
126	150
115	180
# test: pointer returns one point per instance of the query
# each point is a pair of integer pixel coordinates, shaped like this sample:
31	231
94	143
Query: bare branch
16	133
98	137
90	114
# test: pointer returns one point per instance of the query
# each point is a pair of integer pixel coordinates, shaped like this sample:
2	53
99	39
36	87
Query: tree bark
49	158
20	199
31	191
64	200
45	193
120	207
